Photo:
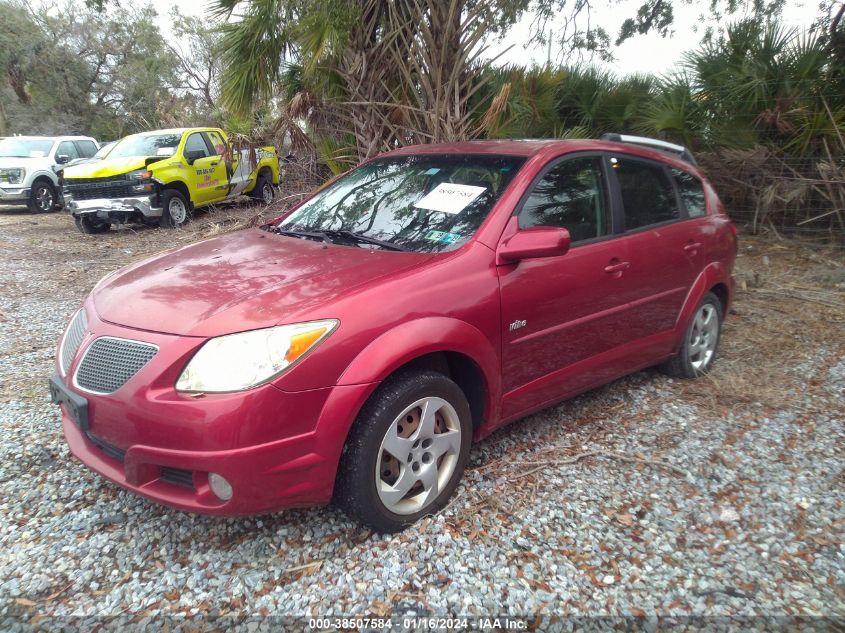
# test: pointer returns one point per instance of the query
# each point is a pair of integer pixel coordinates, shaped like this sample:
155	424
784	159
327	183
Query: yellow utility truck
162	176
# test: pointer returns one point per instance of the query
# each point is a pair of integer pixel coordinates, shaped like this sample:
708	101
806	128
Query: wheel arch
44	177
181	187
723	293
714	278
449	346
264	171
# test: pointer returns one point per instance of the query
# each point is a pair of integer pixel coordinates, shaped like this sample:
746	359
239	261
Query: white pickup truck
28	166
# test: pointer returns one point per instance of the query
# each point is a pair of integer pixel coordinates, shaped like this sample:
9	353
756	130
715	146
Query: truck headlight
13	176
236	362
142	180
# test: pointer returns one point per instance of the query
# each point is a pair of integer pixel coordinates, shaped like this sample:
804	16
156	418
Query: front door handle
615	266
692	248
214	163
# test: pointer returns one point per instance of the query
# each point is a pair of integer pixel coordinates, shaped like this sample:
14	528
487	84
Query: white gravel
752	525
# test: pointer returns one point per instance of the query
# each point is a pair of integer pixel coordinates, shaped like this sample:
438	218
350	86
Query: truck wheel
91	226
42	197
177	209
263	190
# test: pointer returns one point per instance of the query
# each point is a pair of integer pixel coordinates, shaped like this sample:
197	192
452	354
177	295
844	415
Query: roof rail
678	150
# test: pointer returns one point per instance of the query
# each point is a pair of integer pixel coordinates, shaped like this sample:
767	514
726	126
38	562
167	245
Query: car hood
30	164
106	167
243	281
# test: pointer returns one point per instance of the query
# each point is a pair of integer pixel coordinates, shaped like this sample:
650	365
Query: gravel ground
695	503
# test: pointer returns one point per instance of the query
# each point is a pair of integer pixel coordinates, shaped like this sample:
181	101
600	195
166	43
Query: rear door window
67	148
86	149
691	191
648	196
217	143
569	196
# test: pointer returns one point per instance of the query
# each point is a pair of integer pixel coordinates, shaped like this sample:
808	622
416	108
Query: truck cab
29	167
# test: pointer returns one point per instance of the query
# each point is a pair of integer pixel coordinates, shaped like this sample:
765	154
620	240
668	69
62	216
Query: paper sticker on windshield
36	154
442	237
450	198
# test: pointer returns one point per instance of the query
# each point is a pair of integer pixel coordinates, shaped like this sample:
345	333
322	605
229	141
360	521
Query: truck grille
73	338
93	188
109	362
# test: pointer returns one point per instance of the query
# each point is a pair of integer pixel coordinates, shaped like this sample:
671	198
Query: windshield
25	148
105	150
425	203
146	145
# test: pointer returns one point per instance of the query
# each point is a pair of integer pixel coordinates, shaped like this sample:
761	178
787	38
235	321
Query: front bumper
278	449
9	195
297	471
115	208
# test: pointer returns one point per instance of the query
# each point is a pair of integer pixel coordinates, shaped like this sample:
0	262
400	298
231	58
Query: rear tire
263	190
177	209
90	226
701	341
42	197
406	451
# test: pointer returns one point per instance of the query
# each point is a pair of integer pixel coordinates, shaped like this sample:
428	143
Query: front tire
90	226
406	452
42	197
701	341
177	209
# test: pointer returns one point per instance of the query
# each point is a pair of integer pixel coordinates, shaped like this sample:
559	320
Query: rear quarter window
86	148
691	191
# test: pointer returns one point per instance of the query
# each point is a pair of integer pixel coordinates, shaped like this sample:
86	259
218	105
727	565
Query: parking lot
647	498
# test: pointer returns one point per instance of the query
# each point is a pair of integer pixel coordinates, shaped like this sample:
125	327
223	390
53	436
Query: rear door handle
692	247
617	267
214	163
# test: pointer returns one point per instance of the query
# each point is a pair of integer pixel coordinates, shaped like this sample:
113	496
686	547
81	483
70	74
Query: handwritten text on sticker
450	198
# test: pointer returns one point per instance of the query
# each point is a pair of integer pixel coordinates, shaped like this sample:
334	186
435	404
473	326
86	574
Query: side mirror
191	157
542	241
61	159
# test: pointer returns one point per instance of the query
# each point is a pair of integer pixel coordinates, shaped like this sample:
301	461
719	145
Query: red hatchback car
355	347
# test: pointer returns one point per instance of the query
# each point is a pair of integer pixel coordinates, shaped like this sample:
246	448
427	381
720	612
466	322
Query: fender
52	176
714	273
172	181
413	339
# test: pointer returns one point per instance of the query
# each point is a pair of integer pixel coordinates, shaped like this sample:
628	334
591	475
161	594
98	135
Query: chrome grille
109	362
73	338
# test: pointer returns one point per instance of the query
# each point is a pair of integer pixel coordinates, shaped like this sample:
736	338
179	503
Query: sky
642	53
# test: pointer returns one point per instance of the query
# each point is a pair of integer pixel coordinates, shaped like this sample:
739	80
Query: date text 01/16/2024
415	623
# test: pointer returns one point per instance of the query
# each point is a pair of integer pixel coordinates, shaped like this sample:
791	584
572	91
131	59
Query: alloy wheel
704	335
44	198
418	455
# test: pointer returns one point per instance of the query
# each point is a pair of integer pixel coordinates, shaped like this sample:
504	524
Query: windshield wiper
366	239
333	237
312	235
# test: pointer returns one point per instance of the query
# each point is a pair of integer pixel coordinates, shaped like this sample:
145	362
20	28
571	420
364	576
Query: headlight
12	176
142	180
236	362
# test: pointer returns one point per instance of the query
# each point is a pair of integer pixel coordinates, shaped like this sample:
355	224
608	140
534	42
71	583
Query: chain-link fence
769	191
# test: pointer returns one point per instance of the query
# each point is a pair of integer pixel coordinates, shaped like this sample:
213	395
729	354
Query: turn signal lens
302	342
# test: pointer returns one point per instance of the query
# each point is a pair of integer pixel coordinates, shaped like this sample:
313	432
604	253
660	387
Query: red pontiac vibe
355	347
